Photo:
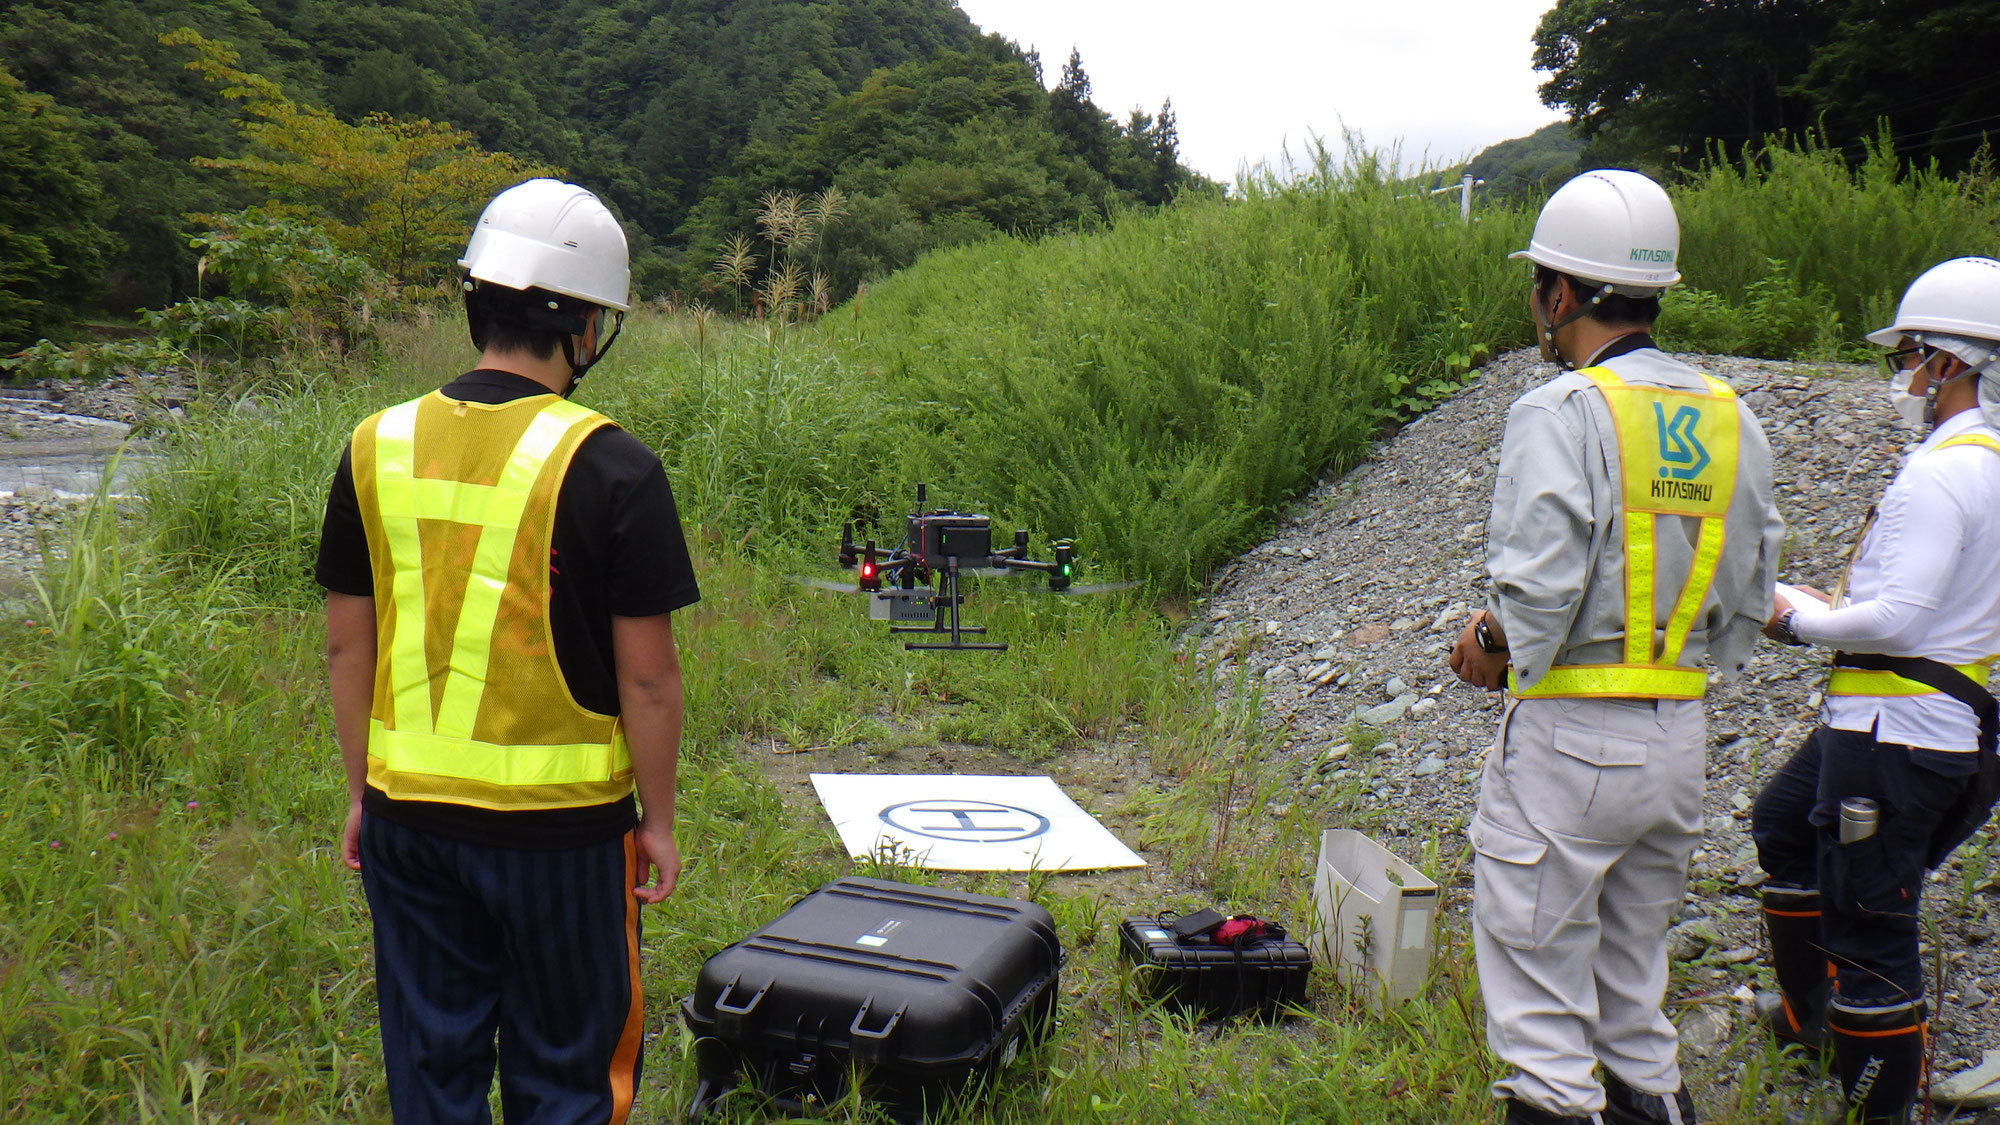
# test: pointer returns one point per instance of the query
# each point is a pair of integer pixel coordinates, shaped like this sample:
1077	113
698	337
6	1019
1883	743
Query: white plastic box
1373	918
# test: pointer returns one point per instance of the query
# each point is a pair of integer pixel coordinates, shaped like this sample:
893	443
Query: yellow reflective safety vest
458	500
1876	682
1677	453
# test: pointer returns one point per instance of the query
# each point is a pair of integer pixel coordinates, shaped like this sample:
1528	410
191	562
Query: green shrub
218	327
47	360
1775	320
1851	237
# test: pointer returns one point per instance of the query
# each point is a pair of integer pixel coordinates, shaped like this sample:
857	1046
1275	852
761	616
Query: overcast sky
1443	77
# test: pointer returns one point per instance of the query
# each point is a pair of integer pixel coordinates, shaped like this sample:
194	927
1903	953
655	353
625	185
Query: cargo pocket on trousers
1592	785
1508	878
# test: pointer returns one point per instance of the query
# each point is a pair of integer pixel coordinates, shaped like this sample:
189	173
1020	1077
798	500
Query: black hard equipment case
917	992
1206	978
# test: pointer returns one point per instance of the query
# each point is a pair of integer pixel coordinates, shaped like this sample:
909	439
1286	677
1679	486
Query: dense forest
688	116
1669	82
767	153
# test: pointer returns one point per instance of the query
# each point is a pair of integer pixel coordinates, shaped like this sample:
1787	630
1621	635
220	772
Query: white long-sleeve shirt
1926	583
1555	546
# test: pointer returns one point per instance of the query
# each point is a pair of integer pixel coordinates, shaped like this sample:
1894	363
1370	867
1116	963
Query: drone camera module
942	536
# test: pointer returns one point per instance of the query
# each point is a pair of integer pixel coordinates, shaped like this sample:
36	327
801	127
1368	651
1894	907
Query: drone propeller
1096	588
825	584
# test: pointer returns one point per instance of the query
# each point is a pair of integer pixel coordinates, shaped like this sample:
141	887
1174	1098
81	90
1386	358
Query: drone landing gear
945	619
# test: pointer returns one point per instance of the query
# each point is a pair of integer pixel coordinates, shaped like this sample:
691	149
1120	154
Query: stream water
65	454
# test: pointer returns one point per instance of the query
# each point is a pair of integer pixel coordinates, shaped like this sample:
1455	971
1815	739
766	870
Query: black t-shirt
617	550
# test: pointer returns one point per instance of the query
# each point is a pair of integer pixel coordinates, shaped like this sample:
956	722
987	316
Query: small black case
919	991
1213	980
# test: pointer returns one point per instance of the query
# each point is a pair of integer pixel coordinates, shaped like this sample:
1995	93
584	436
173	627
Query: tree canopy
1665	80
680	113
939	151
50	242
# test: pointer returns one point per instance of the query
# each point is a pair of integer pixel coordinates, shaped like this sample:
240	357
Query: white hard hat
1613	227
1955	307
546	234
1956	298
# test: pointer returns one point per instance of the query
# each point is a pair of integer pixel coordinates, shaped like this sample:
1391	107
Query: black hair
533	321
1615	308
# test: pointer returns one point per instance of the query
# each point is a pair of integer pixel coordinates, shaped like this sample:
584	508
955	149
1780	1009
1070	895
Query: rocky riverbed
1343	619
56	441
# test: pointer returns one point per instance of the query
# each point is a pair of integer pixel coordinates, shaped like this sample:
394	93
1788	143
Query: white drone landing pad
954	822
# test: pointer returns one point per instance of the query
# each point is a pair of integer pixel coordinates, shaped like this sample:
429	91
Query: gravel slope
1353	603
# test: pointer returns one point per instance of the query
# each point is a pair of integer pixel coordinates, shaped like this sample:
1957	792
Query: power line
1945	94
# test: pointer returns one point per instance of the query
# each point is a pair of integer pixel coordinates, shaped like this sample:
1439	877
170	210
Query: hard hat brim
1891	336
1631	283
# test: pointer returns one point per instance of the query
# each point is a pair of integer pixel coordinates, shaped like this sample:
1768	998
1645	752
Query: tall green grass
1798	222
1161	389
178	942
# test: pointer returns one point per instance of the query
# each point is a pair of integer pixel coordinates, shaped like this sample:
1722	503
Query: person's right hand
1474	665
657	852
350	837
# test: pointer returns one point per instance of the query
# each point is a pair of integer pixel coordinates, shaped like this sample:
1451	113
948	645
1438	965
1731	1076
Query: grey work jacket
1555	546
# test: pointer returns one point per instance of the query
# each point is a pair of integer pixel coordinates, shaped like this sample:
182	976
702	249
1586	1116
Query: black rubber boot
1797	1014
1521	1113
1878	1053
1626	1106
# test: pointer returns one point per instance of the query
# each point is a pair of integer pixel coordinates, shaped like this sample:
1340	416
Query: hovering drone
918	580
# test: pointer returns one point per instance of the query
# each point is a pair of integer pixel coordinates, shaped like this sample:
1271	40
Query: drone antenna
920	498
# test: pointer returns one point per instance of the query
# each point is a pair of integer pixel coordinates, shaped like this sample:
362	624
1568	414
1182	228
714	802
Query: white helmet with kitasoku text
1613	227
1613	232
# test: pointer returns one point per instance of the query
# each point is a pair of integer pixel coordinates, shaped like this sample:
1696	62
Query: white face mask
1909	407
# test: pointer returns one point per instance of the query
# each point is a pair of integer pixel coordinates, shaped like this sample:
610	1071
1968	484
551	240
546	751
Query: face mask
1909	407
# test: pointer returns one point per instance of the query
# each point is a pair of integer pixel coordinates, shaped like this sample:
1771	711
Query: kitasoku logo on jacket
1682	455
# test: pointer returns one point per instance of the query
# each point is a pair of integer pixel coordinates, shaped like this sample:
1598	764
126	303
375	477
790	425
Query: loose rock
1420	498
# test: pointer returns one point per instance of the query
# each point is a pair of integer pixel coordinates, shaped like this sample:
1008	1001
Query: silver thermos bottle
1858	819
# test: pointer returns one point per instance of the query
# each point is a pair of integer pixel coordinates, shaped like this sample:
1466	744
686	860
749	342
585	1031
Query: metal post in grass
1464	189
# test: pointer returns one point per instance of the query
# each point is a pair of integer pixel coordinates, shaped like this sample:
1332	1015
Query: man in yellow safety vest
500	565
1901	769
1632	534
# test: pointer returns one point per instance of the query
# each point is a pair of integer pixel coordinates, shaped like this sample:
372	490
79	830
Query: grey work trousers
1588	812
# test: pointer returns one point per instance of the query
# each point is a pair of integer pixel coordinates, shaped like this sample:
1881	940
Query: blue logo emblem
1678	445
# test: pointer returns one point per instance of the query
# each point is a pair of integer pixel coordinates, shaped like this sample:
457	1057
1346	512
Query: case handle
873	1046
730	1018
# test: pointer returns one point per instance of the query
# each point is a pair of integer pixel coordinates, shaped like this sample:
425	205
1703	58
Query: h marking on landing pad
979	822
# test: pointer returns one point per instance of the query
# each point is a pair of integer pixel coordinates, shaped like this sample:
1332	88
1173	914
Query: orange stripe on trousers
626	1057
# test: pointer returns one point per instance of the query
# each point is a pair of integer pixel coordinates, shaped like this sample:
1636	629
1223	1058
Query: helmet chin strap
1942	349
578	370
1545	338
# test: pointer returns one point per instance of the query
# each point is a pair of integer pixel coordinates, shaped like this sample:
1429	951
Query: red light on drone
867	570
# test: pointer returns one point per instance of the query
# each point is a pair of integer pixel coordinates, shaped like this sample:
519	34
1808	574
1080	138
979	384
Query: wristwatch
1483	634
1787	634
